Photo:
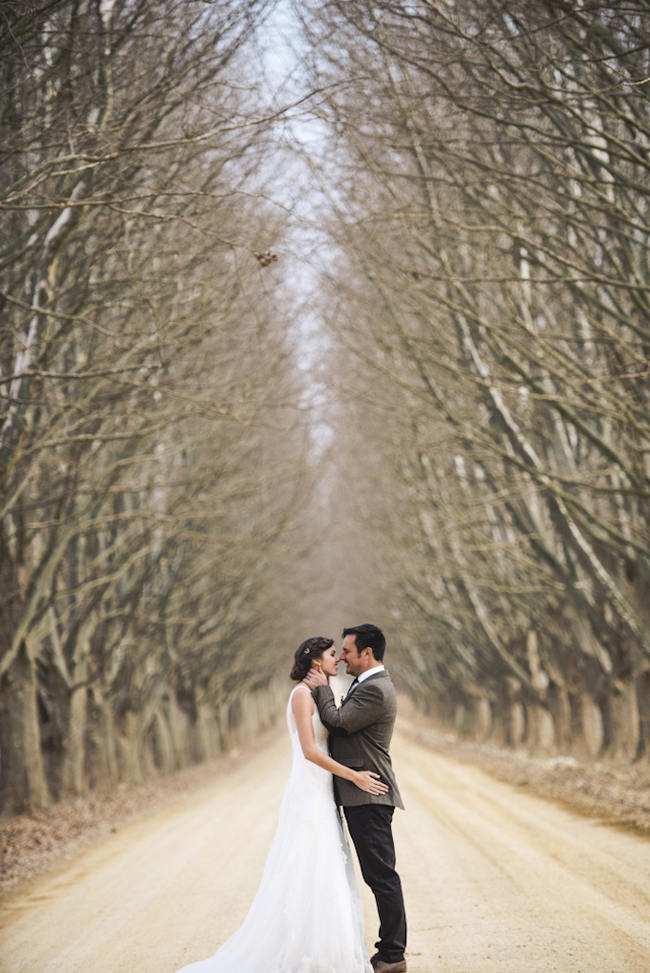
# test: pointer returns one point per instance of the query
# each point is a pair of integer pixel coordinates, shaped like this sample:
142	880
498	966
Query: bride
306	916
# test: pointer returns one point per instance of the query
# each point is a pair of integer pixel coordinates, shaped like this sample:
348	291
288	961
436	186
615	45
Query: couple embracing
307	914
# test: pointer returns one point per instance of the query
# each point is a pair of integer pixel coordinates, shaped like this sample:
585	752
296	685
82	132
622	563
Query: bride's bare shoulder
301	700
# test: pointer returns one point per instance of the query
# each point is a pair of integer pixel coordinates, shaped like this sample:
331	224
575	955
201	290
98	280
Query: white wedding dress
307	915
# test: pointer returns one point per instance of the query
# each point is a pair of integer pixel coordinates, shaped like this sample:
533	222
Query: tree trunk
626	724
24	787
542	729
482	718
516	723
561	712
180	732
206	732
592	727
459	719
163	745
105	770
223	718
73	773
129	751
644	711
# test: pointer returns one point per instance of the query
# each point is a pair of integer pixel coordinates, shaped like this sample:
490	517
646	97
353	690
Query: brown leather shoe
381	966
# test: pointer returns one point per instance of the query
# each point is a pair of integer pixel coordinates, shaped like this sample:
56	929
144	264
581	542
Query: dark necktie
355	682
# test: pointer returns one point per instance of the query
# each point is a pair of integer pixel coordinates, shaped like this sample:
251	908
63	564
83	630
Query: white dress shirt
366	674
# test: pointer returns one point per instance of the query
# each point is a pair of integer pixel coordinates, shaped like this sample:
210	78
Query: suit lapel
359	685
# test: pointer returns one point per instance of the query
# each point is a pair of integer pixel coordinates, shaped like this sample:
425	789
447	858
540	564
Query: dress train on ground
307	915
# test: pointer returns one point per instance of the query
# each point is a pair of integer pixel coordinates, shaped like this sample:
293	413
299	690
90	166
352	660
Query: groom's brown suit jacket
360	732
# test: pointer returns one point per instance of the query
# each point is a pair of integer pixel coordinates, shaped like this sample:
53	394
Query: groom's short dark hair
368	637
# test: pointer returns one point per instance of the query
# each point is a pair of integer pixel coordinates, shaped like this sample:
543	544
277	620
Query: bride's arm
302	706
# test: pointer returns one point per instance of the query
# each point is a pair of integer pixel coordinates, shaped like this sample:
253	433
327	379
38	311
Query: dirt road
496	881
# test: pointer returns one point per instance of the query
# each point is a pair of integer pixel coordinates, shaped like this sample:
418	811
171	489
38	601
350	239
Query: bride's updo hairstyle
309	649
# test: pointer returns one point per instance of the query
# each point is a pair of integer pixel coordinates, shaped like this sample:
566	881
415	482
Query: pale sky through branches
304	140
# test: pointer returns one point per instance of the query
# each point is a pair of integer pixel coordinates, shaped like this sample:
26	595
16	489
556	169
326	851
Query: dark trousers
370	829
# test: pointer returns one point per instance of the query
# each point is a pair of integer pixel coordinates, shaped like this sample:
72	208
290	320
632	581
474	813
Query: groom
360	733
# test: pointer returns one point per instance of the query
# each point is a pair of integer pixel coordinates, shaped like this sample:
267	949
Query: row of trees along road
489	308
150	453
485	299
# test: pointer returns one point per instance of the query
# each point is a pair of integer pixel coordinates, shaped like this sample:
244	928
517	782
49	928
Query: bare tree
490	201
148	389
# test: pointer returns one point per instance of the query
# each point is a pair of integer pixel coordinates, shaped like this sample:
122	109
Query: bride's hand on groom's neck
315	677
